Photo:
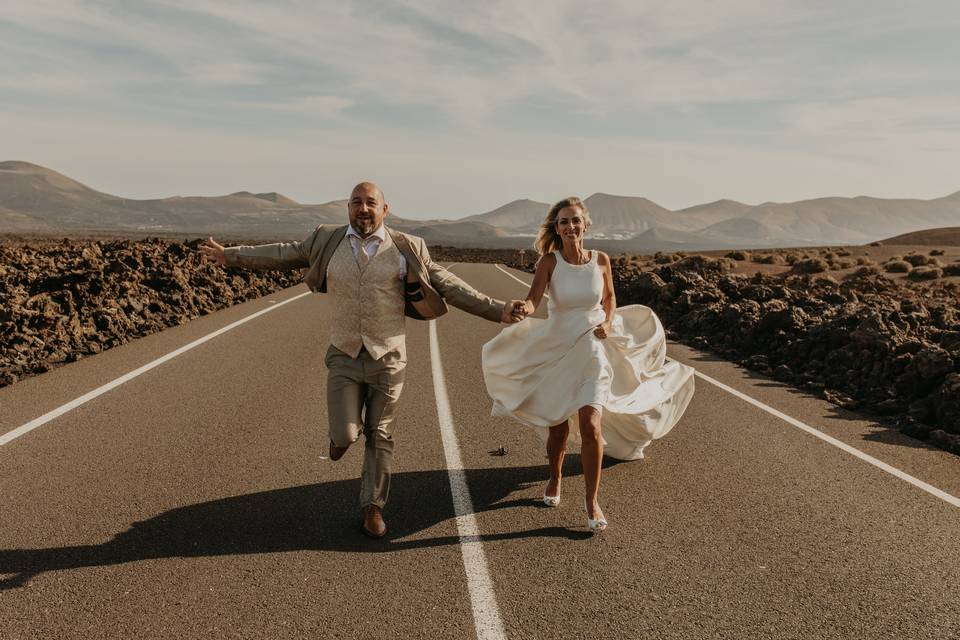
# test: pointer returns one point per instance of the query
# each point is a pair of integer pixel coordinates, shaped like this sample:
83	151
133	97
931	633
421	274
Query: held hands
513	311
603	330
213	251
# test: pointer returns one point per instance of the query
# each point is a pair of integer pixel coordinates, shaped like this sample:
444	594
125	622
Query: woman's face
571	224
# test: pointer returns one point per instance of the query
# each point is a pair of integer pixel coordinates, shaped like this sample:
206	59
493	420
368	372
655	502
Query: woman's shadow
315	517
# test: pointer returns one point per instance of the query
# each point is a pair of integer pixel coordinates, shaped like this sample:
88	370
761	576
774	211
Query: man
375	276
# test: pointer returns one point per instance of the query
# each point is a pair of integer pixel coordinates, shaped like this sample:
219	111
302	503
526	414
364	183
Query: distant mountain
273	196
854	220
26	187
742	227
455	231
706	214
34	199
623	215
612	216
946	236
519	216
37	199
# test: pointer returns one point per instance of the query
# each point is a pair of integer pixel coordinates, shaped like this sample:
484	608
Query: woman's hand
512	312
603	330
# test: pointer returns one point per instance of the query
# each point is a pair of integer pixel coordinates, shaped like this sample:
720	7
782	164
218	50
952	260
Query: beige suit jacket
314	254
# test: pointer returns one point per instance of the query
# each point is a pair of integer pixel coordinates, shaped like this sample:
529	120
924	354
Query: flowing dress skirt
541	372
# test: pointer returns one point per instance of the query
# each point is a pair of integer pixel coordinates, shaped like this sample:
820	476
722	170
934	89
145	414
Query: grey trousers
362	395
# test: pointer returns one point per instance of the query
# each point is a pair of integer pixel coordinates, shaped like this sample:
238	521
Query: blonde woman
589	363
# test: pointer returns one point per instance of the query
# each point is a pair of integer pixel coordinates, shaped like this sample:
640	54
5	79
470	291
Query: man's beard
365	226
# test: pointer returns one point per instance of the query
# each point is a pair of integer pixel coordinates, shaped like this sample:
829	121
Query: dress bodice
575	287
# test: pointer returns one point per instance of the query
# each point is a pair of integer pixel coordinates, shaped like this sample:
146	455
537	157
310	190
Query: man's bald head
367	208
368	187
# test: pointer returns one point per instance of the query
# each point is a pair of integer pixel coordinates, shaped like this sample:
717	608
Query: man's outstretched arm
279	255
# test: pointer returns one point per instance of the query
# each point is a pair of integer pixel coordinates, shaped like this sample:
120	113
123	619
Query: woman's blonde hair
548	239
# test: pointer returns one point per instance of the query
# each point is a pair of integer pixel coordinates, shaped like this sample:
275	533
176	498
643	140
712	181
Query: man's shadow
315	517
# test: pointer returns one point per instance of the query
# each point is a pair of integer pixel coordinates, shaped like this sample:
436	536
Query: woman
588	362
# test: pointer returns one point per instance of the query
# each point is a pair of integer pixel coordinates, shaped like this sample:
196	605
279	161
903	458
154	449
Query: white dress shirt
372	244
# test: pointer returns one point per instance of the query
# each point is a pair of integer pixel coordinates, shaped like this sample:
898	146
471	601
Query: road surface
193	500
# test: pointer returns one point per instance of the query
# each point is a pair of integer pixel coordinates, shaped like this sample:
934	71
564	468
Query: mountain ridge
34	198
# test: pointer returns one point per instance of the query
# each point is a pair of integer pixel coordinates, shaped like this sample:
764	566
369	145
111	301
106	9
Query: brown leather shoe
373	524
336	452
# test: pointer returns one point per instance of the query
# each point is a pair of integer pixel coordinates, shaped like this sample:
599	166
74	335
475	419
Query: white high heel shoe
551	501
595	526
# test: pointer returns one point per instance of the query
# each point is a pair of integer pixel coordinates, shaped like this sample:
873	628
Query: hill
452	232
519	216
946	236
34	199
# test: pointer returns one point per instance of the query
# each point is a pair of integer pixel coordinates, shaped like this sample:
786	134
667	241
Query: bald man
375	276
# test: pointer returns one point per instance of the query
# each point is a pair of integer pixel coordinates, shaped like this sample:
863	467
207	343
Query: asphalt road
193	501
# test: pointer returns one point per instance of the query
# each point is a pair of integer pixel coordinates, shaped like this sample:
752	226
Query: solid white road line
943	495
73	404
526	284
486	614
920	484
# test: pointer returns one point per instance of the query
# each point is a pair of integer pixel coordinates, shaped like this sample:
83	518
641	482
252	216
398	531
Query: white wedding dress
541	372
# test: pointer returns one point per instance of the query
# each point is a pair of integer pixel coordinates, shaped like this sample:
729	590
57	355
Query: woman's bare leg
556	450
591	457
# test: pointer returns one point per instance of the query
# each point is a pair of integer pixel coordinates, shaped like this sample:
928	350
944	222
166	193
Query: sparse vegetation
925	273
897	266
865	271
810	265
663	258
703	263
769	258
740	256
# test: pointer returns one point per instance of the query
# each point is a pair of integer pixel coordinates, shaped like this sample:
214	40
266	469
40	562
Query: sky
457	108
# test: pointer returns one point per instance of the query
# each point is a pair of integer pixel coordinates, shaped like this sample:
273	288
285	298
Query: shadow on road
315	517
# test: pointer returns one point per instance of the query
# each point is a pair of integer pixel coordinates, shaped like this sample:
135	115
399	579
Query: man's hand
513	311
213	251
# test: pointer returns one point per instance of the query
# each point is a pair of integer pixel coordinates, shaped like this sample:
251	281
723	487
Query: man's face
366	208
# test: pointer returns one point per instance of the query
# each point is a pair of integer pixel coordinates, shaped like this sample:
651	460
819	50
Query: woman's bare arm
609	301
541	278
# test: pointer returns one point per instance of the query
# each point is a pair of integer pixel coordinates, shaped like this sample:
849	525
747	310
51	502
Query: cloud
470	62
770	86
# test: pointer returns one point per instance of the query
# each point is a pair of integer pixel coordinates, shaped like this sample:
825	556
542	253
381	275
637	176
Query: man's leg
384	382
345	397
